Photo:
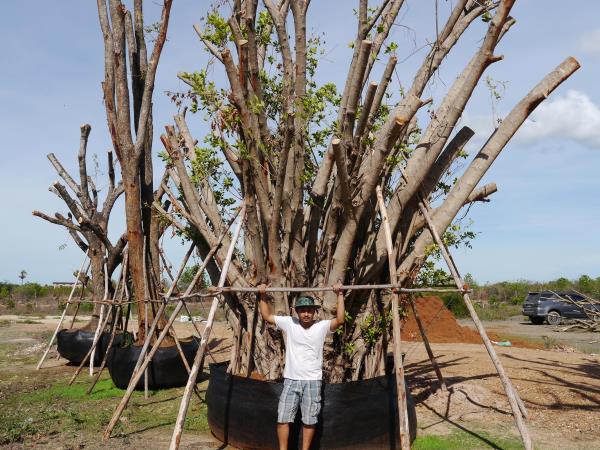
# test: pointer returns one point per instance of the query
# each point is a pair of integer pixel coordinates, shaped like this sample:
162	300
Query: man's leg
311	407
283	433
308	433
286	411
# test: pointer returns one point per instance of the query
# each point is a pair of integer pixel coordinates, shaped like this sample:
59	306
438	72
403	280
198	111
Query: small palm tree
22	276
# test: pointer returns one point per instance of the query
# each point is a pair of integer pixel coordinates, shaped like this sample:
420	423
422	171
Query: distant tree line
32	291
504	298
515	291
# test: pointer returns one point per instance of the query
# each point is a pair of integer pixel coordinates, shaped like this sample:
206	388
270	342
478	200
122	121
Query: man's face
306	314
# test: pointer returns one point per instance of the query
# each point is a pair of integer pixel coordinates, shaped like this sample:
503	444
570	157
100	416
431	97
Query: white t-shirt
303	348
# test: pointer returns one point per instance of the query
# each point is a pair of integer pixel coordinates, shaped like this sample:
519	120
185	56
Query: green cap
306	300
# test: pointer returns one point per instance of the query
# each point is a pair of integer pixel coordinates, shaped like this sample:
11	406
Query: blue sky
540	224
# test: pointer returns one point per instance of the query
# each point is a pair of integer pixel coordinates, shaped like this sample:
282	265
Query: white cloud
572	116
590	42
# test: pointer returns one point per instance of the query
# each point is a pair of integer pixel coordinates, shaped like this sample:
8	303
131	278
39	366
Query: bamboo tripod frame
215	293
143	362
518	408
146	356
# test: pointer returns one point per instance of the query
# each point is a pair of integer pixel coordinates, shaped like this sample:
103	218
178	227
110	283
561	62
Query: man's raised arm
265	309
341	308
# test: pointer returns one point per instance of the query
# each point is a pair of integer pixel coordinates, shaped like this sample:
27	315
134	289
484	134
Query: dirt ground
561	390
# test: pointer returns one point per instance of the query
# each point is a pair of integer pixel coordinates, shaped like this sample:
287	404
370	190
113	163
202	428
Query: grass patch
15	429
62	391
67	410
463	440
498	311
4	323
493	311
29	321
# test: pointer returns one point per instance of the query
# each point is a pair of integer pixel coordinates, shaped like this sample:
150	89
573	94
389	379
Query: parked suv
549	306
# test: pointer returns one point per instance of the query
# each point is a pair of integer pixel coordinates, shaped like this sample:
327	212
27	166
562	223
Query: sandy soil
560	389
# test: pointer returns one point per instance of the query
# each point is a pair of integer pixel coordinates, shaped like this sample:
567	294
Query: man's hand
337	288
262	290
265	310
340	314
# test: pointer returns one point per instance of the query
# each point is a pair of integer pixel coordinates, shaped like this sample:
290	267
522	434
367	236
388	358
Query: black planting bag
355	415
73	345
165	371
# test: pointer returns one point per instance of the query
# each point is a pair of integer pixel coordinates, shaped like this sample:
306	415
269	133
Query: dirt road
545	334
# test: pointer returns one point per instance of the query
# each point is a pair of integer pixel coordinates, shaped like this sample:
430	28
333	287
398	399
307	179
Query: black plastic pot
165	371
74	345
242	412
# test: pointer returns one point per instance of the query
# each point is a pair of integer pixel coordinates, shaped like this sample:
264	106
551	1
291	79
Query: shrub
454	302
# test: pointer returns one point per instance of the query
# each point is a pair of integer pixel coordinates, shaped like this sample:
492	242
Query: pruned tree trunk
86	222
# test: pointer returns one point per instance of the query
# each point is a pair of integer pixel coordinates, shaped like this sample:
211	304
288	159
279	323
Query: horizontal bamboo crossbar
215	291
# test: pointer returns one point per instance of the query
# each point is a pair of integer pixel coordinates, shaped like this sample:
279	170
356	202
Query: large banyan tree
307	160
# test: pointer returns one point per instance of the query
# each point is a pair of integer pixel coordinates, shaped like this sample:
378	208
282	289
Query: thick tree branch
150	75
84	196
484	159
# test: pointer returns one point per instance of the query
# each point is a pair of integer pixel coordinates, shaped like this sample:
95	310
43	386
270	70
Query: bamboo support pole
199	359
113	331
216	291
102	323
398	364
434	363
142	364
64	313
146	335
519	411
163	258
180	271
77	308
105	357
99	329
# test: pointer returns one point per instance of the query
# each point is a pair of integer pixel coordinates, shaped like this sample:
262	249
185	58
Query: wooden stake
434	363
99	330
216	291
118	312
199	359
398	364
141	365
513	398
146	335
76	310
64	313
103	321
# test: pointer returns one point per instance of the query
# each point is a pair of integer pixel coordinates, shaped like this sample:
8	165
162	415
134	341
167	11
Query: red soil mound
441	326
439	323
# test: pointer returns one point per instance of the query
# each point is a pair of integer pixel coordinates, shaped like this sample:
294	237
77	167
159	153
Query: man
304	339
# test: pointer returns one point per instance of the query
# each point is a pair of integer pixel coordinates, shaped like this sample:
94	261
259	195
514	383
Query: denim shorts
307	394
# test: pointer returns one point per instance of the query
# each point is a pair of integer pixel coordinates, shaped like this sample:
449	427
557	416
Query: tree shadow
463	428
550	374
